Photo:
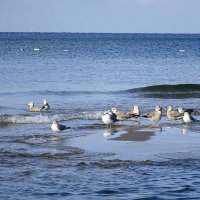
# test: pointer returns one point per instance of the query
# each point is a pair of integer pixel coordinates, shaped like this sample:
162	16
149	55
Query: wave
165	91
69	151
66	93
179	91
45	119
22	119
52	92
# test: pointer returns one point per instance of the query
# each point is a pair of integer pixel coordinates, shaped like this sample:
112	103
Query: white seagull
109	118
187	118
58	127
189	111
182	110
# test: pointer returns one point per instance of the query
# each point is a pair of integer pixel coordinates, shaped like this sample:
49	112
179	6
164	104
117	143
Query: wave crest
179	91
44	119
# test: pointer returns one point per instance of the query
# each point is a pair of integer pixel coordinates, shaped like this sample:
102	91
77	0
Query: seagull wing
62	127
113	117
151	114
176	115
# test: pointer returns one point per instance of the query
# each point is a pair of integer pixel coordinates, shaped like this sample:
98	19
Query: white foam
94	115
18	119
44	119
35	140
36	49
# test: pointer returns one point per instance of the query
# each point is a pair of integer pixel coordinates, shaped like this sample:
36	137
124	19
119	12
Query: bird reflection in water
108	132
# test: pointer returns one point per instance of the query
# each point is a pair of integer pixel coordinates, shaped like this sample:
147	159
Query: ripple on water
70	151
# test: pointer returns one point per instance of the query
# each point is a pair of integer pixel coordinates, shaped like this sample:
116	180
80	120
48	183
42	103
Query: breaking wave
179	91
44	119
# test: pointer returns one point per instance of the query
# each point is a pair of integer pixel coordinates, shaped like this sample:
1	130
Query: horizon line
99	32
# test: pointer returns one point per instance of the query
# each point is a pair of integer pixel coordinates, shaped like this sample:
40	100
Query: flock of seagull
113	115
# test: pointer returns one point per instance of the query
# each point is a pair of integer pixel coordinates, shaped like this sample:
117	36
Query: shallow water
133	160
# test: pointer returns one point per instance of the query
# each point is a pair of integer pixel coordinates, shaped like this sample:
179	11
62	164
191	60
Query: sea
81	75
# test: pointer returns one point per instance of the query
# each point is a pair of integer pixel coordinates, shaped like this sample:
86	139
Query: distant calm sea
82	75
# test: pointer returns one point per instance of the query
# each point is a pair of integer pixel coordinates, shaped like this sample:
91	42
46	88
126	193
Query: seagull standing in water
120	115
187	118
174	115
154	116
109	118
135	112
58	127
34	108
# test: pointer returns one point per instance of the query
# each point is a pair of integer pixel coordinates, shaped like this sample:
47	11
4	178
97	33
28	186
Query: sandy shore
141	142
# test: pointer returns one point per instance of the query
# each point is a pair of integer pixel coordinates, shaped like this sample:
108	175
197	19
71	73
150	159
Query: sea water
82	75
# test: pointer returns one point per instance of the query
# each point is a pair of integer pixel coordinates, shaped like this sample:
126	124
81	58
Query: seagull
181	110
174	115
34	108
46	105
120	115
58	127
109	118
135	112
154	116
187	118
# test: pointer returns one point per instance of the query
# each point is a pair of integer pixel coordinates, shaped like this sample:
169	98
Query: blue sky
107	16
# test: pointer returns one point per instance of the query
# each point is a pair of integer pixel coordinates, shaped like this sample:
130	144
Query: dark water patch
52	194
69	93
106	164
108	192
69	151
185	188
102	126
135	135
103	164
192	162
181	155
179	91
173	88
114	163
150	198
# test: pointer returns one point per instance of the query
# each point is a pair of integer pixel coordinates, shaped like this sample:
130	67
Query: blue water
82	75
